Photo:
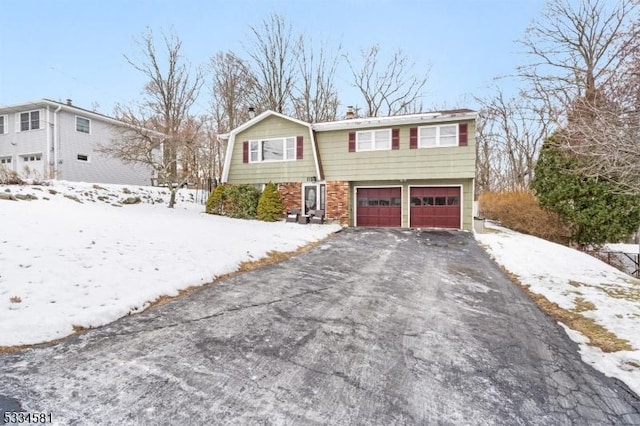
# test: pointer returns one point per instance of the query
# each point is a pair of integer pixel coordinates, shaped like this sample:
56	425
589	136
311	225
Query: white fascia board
227	159
315	153
262	116
417	119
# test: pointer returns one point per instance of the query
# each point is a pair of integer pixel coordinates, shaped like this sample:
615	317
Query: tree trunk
172	198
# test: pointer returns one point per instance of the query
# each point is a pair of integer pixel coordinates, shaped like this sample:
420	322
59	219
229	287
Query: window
5	160
29	121
434	136
373	140
82	157
32	157
280	149
83	125
3	124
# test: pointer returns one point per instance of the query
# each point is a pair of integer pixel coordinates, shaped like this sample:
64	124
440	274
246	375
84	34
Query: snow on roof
395	120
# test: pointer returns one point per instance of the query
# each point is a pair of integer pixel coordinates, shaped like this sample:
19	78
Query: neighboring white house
54	140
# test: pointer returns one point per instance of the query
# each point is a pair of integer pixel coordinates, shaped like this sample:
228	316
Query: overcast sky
75	49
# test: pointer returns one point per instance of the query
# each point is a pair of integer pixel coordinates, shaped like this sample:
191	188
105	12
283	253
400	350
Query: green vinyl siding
467	196
457	162
277	171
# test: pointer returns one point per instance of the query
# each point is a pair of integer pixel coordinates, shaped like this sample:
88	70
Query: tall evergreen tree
592	207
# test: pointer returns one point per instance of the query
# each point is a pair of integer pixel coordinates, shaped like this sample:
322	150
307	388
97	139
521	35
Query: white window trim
373	142
6	124
88	160
25	157
438	127
19	122
84	118
5	157
284	149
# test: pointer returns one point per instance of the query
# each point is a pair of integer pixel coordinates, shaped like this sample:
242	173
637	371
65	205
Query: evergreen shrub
270	207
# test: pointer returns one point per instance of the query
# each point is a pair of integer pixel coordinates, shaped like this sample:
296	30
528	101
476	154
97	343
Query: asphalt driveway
373	327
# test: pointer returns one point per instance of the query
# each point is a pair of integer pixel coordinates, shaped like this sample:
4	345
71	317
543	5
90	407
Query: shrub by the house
270	207
520	211
242	201
215	202
237	201
9	177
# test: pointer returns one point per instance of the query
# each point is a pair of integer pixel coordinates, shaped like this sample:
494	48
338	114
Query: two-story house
412	171
52	140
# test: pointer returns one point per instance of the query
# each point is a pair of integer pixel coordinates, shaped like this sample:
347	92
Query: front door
313	197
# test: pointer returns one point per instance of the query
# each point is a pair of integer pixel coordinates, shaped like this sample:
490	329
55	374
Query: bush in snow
216	201
520	211
270	207
9	177
242	201
238	201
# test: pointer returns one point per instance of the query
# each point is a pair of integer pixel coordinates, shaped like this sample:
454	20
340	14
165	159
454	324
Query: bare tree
273	64
214	149
586	72
489	162
390	88
510	135
170	92
577	48
605	136
231	90
315	95
193	137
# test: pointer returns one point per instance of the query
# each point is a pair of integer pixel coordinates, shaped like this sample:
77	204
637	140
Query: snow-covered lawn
581	285
85	263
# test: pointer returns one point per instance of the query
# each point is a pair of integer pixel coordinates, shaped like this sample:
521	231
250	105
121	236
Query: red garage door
379	207
435	207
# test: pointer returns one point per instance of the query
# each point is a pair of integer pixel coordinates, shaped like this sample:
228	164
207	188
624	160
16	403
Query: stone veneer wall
290	192
337	207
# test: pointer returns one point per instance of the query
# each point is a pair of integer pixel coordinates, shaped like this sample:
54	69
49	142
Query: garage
379	207
435	207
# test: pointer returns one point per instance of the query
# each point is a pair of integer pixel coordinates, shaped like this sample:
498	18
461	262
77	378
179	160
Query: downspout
56	143
47	155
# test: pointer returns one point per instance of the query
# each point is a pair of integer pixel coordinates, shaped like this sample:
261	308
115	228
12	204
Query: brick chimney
350	113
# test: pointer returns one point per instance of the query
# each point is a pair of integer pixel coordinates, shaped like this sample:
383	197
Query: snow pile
76	256
568	277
